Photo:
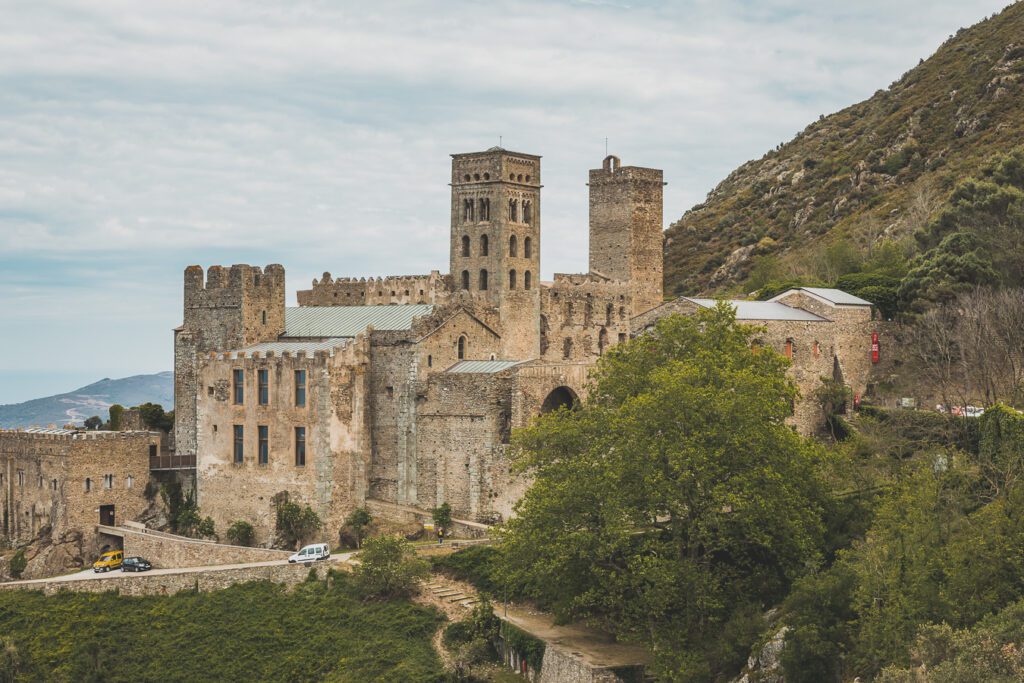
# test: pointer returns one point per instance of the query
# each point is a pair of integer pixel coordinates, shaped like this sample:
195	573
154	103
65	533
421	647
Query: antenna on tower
499	141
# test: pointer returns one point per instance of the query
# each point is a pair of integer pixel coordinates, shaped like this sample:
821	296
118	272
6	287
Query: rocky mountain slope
94	399
874	171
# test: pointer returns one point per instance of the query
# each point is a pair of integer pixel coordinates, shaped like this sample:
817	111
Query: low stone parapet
169	550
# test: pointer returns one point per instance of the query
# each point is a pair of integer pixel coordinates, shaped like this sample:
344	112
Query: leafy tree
241	532
675	499
388	568
116	411
442	516
295	523
18	563
93	423
356	524
206	528
154	417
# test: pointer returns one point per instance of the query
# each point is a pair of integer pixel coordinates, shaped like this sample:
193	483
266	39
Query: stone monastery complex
402	392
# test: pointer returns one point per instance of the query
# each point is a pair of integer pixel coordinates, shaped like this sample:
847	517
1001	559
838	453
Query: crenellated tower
626	238
233	308
495	240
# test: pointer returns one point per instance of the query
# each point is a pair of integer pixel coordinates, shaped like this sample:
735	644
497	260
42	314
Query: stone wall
168	550
204	580
397	289
563	666
232	309
582	316
65	482
335	417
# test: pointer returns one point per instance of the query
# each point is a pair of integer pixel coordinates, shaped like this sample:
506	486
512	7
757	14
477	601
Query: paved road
90	575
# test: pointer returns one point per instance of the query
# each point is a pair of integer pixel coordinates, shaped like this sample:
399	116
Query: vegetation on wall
241	532
249	632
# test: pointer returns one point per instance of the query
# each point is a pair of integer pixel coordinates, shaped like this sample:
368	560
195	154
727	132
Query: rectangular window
239	443
108	481
300	388
263	378
21	478
300	446
264	438
239	376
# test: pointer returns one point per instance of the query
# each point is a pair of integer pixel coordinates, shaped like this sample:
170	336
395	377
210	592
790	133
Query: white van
311	553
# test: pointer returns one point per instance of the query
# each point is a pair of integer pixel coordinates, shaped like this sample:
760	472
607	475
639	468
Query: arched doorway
560	396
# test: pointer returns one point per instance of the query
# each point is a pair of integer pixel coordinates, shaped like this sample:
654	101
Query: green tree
388	568
442	516
94	422
241	532
154	417
356	524
116	411
295	523
675	500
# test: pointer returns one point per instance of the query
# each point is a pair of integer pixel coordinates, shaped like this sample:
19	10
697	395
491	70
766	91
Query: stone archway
558	397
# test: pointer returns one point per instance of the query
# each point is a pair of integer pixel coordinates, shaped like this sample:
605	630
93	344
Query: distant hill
877	170
94	399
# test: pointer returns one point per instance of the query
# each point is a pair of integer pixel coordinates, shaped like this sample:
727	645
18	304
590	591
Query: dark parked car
135	564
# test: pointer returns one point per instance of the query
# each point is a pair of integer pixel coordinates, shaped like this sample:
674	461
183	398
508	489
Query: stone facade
414	383
61	485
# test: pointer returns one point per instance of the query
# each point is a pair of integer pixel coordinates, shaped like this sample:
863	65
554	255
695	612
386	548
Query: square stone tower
495	241
626	238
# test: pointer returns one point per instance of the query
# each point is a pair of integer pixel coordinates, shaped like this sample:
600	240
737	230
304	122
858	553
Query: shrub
295	523
241	533
443	516
18	564
388	568
477	565
206	528
355	526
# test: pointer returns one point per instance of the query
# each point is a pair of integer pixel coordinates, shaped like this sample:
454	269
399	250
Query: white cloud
147	136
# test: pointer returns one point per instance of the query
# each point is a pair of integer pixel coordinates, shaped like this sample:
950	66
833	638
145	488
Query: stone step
470	602
456	598
445	594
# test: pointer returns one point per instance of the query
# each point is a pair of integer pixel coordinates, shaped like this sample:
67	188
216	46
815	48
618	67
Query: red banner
874	347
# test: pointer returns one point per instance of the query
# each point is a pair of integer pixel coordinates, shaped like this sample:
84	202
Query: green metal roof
348	321
483	366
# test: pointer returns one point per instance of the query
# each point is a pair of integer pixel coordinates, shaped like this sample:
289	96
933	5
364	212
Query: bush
442	516
295	523
18	564
388	568
355	527
476	564
241	533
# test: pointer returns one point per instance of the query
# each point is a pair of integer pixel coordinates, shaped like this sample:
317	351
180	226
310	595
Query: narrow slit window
239	382
526	280
465	279
512	279
462	348
300	446
263	378
483	245
513	248
527	247
300	388
483	280
239	443
264	444
465	245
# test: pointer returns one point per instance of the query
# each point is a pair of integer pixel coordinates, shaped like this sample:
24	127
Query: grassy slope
255	631
875	169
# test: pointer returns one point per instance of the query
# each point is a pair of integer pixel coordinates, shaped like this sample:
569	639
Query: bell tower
495	241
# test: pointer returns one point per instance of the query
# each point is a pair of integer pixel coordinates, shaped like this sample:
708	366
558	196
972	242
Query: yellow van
108	561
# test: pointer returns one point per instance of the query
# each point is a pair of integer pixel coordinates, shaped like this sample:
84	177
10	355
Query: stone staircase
446	592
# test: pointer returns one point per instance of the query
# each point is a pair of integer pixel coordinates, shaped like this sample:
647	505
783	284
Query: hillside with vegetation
877	196
318	631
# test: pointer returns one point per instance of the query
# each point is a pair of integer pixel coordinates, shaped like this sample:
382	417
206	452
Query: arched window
788	351
483	245
465	245
467	210
513	246
485	209
430	361
513	210
527	212
527	247
512	279
526	280
462	347
465	279
483	280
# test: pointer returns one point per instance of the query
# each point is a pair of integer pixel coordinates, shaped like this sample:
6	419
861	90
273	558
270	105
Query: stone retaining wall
168	584
167	550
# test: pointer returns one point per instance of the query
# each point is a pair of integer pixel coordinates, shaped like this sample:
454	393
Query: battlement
63	436
223	285
385	290
613	171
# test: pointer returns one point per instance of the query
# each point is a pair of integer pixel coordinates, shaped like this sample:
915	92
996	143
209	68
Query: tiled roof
348	321
763	310
483	366
836	296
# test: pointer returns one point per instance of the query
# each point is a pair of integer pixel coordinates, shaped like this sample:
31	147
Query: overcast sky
137	138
